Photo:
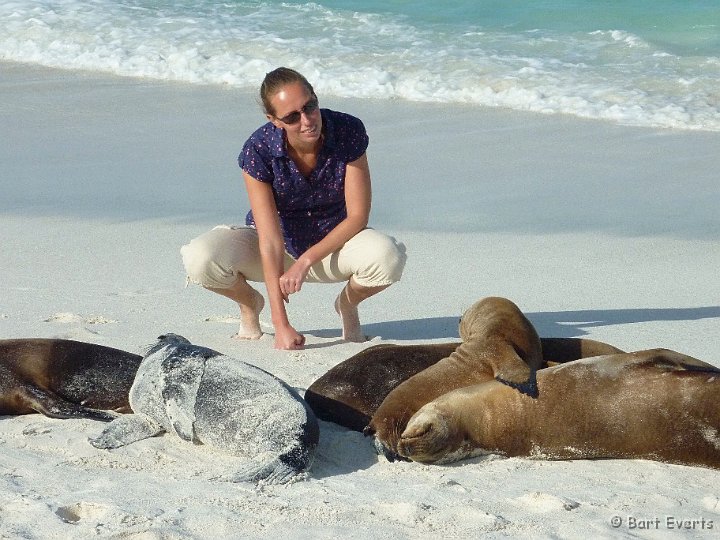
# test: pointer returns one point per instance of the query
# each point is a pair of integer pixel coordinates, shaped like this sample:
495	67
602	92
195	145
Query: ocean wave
604	74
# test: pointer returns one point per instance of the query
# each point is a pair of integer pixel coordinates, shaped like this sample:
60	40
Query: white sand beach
591	228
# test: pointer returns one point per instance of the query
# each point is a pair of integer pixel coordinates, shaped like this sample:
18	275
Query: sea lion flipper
54	406
558	350
520	376
125	430
267	468
680	362
180	381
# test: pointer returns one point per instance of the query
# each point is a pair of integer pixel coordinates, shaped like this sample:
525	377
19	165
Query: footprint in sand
712	503
82	510
105	518
141	292
35	429
231	319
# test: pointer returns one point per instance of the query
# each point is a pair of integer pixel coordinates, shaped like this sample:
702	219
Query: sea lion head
165	340
430	435
382	448
470	318
498	316
475	319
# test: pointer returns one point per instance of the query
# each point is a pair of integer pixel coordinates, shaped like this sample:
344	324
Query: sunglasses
294	117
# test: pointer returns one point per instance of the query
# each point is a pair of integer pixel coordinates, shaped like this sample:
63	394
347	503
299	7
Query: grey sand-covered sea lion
205	397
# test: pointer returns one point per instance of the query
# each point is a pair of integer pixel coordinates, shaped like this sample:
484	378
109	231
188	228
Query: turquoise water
680	27
635	62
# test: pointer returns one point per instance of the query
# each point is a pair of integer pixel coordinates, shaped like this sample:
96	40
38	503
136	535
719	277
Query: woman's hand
292	280
287	338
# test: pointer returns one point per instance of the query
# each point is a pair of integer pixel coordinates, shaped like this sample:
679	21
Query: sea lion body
656	404
205	397
351	392
498	342
63	378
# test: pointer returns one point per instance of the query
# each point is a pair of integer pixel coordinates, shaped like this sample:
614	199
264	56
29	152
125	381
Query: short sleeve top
308	207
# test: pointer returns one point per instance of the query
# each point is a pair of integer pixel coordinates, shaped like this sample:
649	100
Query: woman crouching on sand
308	182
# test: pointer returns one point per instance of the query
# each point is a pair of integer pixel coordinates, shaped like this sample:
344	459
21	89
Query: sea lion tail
272	471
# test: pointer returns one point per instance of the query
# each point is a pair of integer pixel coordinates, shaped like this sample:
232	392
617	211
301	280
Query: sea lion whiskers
382	448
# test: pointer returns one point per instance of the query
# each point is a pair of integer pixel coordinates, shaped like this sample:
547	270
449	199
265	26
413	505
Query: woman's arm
272	253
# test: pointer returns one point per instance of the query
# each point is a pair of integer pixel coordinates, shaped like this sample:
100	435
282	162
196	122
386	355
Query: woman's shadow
548	324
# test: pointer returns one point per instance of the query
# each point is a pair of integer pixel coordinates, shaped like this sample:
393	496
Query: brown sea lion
498	342
655	404
351	392
62	378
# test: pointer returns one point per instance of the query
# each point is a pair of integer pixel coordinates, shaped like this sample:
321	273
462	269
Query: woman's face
297	112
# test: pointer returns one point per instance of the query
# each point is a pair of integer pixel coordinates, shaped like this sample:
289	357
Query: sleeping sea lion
498	342
656	404
351	392
62	378
205	397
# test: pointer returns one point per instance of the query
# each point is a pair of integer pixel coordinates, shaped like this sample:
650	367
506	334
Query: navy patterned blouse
309	207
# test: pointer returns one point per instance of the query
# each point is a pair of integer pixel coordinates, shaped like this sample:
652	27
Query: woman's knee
210	259
201	267
383	262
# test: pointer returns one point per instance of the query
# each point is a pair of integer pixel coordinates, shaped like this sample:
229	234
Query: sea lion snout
380	447
426	437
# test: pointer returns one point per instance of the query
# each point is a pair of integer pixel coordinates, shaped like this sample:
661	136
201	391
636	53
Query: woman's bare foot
348	312
250	319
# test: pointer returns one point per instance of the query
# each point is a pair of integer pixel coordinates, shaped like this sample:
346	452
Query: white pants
218	257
